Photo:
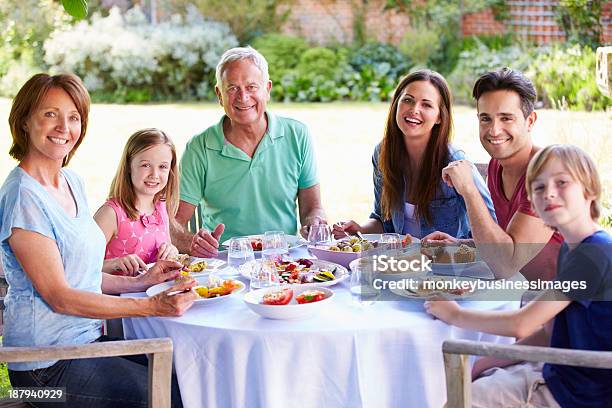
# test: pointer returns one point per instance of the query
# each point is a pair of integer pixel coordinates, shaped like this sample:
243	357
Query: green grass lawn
5	385
344	134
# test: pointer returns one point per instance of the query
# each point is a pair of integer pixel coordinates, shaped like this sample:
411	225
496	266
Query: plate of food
210	289
293	241
193	266
346	250
446	286
287	302
301	272
452	258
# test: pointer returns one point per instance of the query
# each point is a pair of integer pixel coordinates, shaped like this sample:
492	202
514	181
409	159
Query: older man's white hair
242	53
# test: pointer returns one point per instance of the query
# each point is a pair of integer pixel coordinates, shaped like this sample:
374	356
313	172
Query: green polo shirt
249	195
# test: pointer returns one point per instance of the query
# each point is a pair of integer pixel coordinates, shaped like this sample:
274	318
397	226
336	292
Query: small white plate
341	272
202	280
293	310
414	295
293	241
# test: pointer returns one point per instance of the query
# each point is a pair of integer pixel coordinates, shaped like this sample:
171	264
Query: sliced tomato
256	244
310	296
291	266
279	297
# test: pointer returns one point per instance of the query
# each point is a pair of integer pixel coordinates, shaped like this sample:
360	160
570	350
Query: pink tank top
142	236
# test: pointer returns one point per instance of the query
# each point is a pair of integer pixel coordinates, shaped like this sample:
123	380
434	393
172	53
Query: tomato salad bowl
288	302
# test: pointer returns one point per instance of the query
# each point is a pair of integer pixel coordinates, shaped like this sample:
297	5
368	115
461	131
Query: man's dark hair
507	79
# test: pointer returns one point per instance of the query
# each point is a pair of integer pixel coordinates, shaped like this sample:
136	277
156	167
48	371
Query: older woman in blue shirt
52	253
409	193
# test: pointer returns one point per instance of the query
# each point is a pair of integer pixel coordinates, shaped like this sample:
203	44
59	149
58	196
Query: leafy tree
580	21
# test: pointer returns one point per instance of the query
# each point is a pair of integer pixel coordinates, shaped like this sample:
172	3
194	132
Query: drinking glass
391	241
274	246
239	251
362	288
263	275
319	234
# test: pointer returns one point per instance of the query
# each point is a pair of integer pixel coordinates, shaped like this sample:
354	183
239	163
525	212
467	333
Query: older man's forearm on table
181	237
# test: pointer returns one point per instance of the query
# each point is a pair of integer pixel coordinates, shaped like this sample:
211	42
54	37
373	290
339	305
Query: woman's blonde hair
122	189
578	164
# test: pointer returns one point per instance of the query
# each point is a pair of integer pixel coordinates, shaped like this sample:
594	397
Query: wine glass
391	240
263	275
319	234
362	283
274	246
239	251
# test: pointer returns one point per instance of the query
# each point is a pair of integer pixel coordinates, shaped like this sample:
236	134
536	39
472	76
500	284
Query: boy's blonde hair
578	164
122	189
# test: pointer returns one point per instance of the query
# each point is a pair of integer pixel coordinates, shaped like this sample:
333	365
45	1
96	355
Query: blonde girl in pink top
142	202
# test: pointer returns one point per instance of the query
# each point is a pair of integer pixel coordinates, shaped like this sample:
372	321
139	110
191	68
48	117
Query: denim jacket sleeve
378	183
478	181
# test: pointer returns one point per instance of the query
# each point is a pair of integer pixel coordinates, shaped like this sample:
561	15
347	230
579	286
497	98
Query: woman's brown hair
122	189
394	162
30	97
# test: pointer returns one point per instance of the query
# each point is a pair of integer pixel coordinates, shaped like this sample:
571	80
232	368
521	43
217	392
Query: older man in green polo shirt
249	168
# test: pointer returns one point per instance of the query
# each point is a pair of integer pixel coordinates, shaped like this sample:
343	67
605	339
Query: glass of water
319	234
362	284
263	275
274	246
239	251
391	241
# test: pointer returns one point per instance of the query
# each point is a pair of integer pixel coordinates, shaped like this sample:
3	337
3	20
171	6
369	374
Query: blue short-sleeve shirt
585	324
28	319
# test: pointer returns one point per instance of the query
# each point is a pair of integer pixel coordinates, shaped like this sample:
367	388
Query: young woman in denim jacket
409	193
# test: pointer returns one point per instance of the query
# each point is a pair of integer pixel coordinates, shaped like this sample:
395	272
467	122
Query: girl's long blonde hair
122	190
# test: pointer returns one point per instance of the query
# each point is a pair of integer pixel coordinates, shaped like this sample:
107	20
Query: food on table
198	266
310	296
217	288
256	244
302	271
465	254
407	240
356	244
183	259
441	254
278	297
353	244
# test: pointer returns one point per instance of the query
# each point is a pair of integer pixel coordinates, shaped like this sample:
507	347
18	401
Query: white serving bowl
293	310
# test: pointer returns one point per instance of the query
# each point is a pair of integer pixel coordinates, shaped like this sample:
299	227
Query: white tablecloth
384	355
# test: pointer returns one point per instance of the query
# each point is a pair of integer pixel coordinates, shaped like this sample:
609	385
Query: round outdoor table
384	355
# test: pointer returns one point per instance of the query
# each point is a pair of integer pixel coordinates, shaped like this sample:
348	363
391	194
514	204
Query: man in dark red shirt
520	240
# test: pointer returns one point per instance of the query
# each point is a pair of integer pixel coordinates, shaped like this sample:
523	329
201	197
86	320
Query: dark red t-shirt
544	265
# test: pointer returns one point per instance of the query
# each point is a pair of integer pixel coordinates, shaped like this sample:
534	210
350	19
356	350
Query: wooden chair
158	350
458	370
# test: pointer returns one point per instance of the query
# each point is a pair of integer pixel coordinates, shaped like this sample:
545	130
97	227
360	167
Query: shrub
420	44
565	78
474	62
124	58
282	52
